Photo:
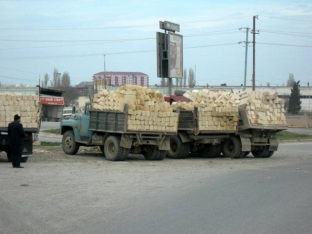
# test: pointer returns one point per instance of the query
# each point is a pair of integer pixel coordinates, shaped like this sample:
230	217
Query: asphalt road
57	193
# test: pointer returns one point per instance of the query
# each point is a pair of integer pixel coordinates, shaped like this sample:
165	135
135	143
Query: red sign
58	101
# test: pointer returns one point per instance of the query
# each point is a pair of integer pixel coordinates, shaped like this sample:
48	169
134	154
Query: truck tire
178	149
112	149
231	147
69	145
125	153
261	151
151	152
24	159
270	153
161	155
209	151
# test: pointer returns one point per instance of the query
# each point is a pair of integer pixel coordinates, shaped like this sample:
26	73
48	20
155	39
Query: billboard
175	49
48	100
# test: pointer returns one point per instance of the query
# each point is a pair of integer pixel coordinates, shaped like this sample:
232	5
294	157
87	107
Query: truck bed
115	122
188	122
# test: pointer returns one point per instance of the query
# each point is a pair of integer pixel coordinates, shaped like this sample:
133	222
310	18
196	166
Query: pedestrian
16	134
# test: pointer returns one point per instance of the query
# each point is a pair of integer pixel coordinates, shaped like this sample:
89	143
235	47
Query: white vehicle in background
68	111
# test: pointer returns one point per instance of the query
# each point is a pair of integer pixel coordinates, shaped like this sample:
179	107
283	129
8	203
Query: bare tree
45	81
291	80
191	78
71	94
56	81
184	77
65	81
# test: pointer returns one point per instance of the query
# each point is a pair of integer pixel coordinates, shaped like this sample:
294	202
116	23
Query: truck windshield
67	112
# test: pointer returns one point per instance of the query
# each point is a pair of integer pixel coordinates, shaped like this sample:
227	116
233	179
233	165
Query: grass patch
45	143
56	131
284	135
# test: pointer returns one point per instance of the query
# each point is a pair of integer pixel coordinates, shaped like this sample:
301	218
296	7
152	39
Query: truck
29	108
68	111
260	140
110	131
27	141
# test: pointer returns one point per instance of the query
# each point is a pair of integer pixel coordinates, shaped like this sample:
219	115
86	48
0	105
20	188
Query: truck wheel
24	159
125	153
112	149
69	145
161	155
261	151
178	149
270	153
208	151
231	147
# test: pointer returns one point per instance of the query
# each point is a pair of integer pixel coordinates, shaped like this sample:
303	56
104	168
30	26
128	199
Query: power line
115	27
286	18
306	46
19	70
15	78
101	54
288	34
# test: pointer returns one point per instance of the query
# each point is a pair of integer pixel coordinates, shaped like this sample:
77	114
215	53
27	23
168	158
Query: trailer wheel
112	149
178	149
69	145
231	147
261	151
151	152
24	159
209	151
161	155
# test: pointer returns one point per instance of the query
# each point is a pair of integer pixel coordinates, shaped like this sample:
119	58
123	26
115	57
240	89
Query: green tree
294	99
191	78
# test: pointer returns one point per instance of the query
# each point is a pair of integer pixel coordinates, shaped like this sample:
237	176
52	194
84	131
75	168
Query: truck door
85	134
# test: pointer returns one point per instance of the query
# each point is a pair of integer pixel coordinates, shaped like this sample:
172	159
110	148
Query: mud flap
273	144
185	137
126	141
246	144
165	144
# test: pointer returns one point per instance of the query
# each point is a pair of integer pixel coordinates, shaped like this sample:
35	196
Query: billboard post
169	52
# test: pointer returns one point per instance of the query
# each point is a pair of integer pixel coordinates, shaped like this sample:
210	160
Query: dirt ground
56	193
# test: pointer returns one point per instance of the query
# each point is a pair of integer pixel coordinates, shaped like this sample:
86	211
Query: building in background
86	88
121	78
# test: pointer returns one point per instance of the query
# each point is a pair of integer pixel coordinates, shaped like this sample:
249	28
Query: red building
121	78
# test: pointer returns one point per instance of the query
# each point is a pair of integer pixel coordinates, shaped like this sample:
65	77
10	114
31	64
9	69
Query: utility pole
246	51
104	78
254	53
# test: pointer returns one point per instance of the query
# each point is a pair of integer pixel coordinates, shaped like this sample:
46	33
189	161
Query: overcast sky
37	36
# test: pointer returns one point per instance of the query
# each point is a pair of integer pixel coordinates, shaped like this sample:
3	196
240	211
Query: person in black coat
16	134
